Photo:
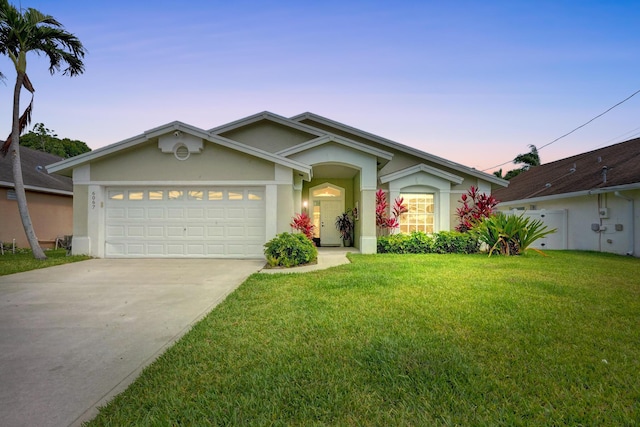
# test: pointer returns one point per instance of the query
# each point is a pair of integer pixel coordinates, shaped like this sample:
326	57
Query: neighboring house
593	199
181	191
49	197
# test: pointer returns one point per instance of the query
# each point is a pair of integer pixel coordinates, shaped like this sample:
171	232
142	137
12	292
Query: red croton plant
302	222
384	222
475	207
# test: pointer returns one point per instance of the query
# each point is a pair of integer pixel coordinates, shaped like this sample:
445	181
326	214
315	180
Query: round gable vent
181	152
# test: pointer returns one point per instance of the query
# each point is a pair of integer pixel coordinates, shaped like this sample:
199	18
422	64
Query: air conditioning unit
603	212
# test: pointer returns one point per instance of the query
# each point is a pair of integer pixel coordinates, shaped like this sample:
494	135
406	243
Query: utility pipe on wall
633	221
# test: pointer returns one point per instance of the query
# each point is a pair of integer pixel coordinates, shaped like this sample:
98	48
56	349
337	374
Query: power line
579	127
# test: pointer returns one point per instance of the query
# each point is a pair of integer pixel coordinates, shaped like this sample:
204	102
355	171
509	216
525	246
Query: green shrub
455	242
510	234
290	250
418	242
414	243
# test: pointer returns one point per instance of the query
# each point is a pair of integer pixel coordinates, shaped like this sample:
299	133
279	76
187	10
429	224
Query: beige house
49	197
181	191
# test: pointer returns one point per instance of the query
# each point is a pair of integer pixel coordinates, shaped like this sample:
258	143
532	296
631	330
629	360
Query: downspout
633	220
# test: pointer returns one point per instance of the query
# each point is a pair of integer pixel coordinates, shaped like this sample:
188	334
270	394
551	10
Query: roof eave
38	189
593	191
404	148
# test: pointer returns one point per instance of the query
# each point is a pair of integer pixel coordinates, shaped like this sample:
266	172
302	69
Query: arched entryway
326	202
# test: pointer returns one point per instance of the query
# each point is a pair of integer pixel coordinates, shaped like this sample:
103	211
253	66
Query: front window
419	215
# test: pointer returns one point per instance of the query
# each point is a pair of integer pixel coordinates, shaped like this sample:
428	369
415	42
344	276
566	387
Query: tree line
44	139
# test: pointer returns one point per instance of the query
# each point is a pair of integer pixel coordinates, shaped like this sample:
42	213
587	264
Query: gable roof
421	168
34	175
382	156
400	147
67	165
614	167
269	116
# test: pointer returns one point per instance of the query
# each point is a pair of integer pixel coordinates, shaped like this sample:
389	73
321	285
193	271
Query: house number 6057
93	200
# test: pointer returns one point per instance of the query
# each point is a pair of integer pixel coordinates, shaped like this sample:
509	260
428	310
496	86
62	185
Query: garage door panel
255	213
115	213
115	231
185	222
215	231
175	213
235	231
156	213
196	249
135	249
236	250
173	231
195	213
135	213
135	231
235	213
195	231
215	249
154	249
215	213
173	249
155	231
116	249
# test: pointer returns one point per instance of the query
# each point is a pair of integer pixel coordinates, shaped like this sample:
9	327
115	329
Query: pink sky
473	82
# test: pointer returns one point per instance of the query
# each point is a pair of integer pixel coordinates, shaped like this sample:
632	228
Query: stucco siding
268	136
80	210
51	215
285	209
148	163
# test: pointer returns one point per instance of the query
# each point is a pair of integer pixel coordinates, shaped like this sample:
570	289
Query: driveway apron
75	335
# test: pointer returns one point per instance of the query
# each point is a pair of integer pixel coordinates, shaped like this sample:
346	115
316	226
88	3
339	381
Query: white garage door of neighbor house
177	222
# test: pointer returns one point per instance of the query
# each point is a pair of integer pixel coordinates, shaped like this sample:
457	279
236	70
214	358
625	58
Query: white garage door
185	222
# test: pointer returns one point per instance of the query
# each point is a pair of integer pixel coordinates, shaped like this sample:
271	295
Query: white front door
329	210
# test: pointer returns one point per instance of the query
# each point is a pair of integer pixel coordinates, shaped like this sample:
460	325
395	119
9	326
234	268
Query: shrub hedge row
444	242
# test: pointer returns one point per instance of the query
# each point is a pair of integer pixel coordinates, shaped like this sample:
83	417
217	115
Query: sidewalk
327	257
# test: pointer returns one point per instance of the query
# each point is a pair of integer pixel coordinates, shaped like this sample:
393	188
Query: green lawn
409	340
15	263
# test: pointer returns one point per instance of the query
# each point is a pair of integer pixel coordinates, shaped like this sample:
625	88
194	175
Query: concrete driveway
74	336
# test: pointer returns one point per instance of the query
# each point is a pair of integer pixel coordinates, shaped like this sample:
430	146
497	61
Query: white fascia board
624	187
337	139
268	116
404	148
38	189
421	168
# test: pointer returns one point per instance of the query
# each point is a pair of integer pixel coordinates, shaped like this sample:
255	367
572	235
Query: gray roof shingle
33	172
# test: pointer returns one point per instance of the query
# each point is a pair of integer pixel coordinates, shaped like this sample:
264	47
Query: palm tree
22	32
532	158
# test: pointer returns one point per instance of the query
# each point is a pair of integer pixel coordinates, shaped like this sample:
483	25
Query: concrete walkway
327	257
74	336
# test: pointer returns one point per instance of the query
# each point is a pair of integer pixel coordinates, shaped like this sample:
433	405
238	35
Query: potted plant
345	225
